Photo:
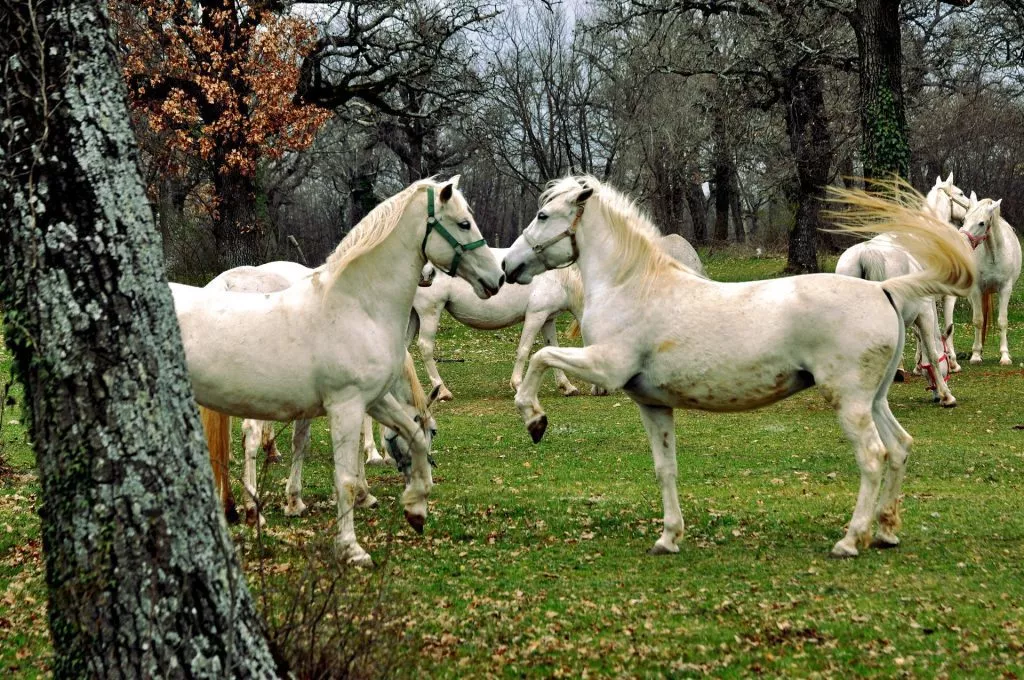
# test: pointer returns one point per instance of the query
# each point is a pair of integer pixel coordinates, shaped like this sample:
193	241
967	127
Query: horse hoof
367	501
885	542
901	376
949	404
536	427
598	391
295	508
660	549
444	394
570	391
1006	361
354	555
274	456
841	551
252	516
975	361
374	458
415	521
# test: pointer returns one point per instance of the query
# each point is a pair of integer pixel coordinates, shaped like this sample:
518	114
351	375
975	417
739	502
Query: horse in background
997	256
880	259
337	338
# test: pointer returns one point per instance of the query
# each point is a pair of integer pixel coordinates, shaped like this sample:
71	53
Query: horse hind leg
253	435
551	339
855	417
660	426
370	452
294	507
977	320
948	304
897	443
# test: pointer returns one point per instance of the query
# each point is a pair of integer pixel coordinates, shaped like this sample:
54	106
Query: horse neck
384	279
994	242
600	259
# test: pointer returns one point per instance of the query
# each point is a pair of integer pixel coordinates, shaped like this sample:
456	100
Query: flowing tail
946	260
218	438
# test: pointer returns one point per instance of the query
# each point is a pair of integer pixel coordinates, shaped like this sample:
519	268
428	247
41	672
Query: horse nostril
501	281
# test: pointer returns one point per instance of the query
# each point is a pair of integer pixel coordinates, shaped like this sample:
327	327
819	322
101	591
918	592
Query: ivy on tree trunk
142	576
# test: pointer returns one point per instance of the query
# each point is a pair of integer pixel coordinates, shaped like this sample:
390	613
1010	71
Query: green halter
434	225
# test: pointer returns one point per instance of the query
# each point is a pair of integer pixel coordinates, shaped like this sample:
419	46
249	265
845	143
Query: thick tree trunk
722	181
698	212
140	569
883	122
807	127
240	225
362	197
735	206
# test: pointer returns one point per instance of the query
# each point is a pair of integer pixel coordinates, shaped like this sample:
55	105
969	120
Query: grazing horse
673	339
334	343
536	305
997	257
880	259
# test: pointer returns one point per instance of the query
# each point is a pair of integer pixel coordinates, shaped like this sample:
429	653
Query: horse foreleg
660	425
532	324
391	413
948	303
294	506
602	364
429	321
1003	321
370	452
551	338
855	416
977	320
346	419
252	439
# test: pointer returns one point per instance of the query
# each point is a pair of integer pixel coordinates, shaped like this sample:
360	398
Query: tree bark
239	227
809	140
141	572
883	121
722	181
698	213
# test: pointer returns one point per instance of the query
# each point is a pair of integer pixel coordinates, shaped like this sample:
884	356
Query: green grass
534	557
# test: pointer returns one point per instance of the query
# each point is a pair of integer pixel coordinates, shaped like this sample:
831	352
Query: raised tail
218	439
946	260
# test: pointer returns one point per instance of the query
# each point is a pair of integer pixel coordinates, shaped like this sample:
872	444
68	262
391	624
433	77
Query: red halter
933	373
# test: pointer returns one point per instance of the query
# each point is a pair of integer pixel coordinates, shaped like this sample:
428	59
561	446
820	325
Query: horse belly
730	393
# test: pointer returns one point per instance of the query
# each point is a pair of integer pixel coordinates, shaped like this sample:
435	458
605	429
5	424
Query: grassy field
534	557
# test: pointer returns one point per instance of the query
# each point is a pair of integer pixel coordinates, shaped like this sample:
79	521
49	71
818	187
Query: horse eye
433	432
541	216
416	419
464	224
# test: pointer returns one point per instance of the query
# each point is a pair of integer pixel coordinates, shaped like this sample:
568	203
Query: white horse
536	305
950	203
997	257
880	259
337	338
672	339
271	278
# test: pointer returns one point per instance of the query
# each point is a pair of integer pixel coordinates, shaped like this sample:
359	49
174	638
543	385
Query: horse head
549	241
453	242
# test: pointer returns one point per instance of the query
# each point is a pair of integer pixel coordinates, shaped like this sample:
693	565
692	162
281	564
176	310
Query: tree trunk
698	212
722	181
361	193
239	227
807	127
883	122
140	569
735	205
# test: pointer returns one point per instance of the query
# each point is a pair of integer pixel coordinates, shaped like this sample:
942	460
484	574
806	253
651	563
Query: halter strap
433	224
570	233
975	241
933	374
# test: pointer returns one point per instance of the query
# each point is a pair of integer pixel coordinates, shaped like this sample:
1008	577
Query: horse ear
998	203
949	180
974	199
446	191
938	181
582	197
455	180
434	393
